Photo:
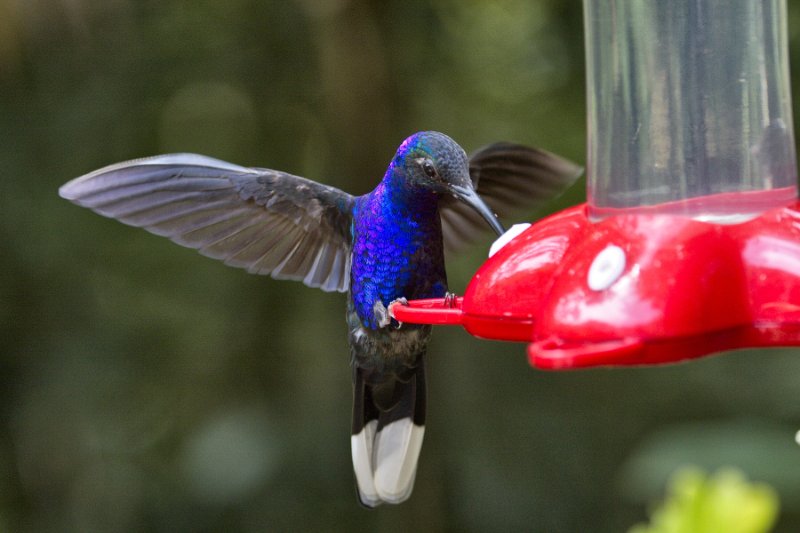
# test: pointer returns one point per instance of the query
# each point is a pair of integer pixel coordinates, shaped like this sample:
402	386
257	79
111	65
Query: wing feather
265	221
513	179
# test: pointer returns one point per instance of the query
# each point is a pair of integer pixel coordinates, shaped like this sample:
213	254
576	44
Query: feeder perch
689	243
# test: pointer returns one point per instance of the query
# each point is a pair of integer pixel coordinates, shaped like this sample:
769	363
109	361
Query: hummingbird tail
386	443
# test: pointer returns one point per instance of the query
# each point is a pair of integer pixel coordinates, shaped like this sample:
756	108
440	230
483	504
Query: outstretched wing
266	221
512	179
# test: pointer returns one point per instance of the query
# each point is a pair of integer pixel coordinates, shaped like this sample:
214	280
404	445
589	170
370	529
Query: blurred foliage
725	501
144	387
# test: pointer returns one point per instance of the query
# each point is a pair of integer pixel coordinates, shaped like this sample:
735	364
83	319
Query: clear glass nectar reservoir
689	108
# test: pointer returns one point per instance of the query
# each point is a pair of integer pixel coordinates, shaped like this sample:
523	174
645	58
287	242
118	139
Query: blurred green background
144	387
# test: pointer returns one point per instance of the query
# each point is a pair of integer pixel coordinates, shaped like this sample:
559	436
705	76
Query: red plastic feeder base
633	289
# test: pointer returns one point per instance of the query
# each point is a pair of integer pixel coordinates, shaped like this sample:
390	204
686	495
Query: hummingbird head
433	161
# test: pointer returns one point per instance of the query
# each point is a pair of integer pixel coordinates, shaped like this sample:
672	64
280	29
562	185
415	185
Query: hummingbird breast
397	251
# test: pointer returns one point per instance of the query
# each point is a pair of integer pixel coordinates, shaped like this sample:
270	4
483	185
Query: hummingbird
384	247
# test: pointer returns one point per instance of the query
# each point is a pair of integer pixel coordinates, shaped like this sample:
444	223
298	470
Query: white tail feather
395	455
361	447
385	463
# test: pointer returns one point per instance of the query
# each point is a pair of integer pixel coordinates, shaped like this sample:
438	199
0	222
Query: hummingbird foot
450	299
397	301
383	314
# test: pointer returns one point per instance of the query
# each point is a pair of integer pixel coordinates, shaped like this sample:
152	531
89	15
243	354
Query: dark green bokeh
145	387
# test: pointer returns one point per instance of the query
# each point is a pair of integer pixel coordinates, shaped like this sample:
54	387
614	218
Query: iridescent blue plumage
397	245
384	246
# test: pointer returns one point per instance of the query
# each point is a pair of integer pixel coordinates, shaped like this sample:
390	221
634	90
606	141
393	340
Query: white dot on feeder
606	268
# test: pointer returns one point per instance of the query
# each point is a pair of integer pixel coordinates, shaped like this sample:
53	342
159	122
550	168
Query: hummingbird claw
383	314
399	301
450	299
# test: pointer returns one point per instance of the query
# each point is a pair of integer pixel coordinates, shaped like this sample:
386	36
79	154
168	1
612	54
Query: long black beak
471	198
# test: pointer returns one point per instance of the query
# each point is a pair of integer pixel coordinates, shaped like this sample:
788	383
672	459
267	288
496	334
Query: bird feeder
689	243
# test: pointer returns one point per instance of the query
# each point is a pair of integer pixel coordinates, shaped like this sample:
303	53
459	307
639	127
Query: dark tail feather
364	425
386	443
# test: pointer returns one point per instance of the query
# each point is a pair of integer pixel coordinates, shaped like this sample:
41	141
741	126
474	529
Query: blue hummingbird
383	247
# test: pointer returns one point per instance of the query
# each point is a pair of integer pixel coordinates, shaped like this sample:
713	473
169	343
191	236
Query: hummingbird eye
428	168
